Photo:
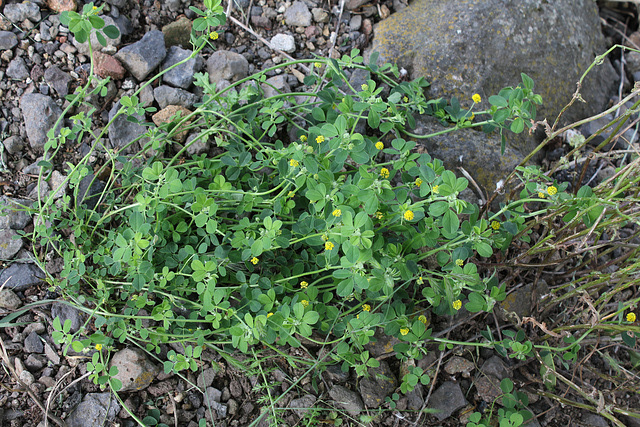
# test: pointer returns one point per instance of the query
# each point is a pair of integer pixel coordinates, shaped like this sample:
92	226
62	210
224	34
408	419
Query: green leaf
517	125
498	101
111	31
527	81
96	22
450	222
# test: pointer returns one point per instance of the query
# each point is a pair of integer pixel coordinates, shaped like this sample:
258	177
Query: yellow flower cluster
303	138
254	260
379	215
631	317
379	145
364	86
304	284
304	303
269	315
423	318
366	307
408	215
294	163
213	35
320	139
541	195
457	304
476	98
336	212
495	225
328	246
404	331
418	182
435	189
459	262
99	346
552	190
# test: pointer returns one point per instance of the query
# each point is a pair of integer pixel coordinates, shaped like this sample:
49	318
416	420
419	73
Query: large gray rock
9	246
167	95
182	75
13	213
141	57
17	69
348	400
377	385
96	410
66	312
58	80
447	399
18	12
40	114
225	65
297	15
481	46
8	40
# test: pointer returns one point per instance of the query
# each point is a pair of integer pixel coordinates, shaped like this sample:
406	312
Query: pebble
96	409
283	42
35	362
58	80
66	312
355	23
62	5
33	343
297	15
196	147
9	300
182	75
143	56
166	95
8	40
178	33
302	405
18	12
59	184
226	65
134	369
122	131
17	69
320	15
89	191
14	213
459	365
348	400
377	385
40	114
447	399
275	85
166	115
8	246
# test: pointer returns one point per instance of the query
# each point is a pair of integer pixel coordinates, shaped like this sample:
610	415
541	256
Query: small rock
320	15
89	191
35	362
355	23
36	327
334	373
112	44
182	75
96	409
225	65
21	276
167	114
66	312
134	369
13	213
40	114
13	144
488	388
59	184
496	367
107	66
178	33
275	85
167	95
283	42
47	381
17	69
302	405
261	22
297	15
141	57
51	354
197	146
9	300
18	12
447	399
205	379
382	345
58	80
459	365
354	4
348	400
62	5
122	131
33	343
379	383
8	40
27	377
8	245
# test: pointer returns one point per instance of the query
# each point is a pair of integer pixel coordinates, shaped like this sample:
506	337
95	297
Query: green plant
512	413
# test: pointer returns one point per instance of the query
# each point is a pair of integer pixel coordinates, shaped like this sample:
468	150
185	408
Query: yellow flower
404	331
328	246
459	262
476	98
213	35
541	195
495	225
423	318
379	215
408	215
419	280
325	237
457	304
364	86
99	346
303	138
631	317
317	64
291	193
95	8
366	307
435	189
336	212
384	172
379	145
552	190
418	182
304	303
320	139
269	315
294	163
357	316
405	99
254	260
473	116
304	284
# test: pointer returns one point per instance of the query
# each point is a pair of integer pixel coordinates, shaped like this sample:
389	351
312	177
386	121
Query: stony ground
40	65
